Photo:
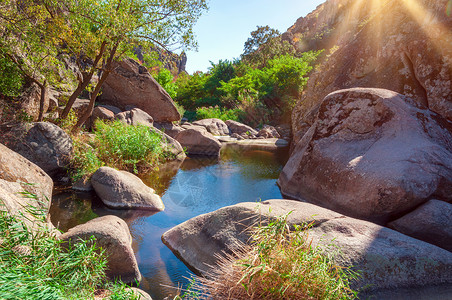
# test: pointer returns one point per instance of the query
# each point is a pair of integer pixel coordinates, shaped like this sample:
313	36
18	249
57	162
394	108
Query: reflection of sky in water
198	186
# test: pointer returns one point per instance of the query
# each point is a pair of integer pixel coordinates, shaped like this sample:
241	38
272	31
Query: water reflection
197	185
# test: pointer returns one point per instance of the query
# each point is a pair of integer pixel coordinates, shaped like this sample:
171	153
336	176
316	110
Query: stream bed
195	186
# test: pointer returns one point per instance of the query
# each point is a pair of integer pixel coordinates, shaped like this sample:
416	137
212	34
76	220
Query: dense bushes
255	95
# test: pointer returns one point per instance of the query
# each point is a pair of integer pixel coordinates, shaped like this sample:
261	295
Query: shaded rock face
199	142
214	126
387	259
397	45
43	143
131	84
431	222
135	117
112	234
171	145
268	132
121	189
17	174
371	154
169	128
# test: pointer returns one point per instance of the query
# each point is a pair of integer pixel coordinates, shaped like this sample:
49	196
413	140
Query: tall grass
127	147
117	145
280	263
33	265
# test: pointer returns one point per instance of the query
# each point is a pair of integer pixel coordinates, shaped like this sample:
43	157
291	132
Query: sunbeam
429	23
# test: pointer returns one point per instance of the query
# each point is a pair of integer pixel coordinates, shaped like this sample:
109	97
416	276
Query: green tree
265	44
28	36
166	80
124	24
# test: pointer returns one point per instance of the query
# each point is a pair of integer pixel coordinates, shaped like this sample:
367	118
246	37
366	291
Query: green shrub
280	263
11	79
127	147
219	113
33	265
165	79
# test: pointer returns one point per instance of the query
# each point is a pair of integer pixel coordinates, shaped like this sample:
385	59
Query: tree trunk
89	110
42	100
84	83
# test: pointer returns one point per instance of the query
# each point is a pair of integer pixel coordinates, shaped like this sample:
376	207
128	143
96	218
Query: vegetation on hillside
261	87
34	265
280	263
45	39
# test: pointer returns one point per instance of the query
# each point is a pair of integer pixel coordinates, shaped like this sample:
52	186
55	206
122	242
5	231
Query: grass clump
33	265
127	147
280	263
117	145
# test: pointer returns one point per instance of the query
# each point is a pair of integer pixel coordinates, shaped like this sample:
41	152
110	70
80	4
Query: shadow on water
195	186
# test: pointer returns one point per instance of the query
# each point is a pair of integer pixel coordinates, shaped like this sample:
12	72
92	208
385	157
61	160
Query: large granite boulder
372	154
268	132
169	128
121	189
240	128
101	113
431	222
19	175
43	143
131	84
386	258
199	142
171	145
135	117
214	126
404	46
112	235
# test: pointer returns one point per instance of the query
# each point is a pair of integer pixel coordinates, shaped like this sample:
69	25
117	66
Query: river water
190	188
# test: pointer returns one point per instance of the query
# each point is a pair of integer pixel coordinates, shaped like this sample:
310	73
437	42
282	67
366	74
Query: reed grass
281	262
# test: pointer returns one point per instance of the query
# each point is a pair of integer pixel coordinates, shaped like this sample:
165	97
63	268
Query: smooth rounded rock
431	222
43	143
372	154
199	142
386	258
123	190
214	126
112	235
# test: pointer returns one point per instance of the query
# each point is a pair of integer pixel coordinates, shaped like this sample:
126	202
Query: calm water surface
189	188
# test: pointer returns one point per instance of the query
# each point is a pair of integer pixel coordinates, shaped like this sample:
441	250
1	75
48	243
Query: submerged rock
121	189
386	258
372	154
112	235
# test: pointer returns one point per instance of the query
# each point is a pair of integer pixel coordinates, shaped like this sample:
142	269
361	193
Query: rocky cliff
400	45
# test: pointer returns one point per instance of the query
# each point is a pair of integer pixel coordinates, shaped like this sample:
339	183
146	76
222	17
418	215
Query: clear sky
224	29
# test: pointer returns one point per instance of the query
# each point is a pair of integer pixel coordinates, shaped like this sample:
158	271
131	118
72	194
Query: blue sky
222	31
